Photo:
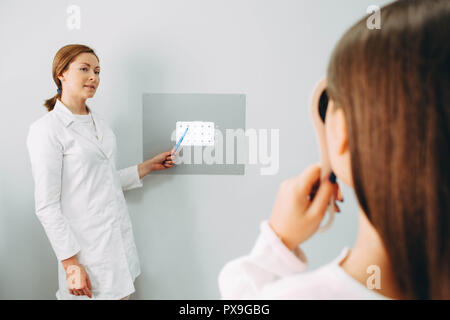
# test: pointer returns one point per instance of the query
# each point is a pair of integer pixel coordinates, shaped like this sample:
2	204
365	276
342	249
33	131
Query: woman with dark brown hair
78	190
386	126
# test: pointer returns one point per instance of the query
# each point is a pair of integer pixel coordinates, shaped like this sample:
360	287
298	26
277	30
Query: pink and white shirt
272	271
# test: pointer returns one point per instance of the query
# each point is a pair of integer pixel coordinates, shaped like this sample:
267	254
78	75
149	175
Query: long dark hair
394	87
61	62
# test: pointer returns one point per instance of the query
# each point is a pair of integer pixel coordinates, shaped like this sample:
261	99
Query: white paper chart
200	133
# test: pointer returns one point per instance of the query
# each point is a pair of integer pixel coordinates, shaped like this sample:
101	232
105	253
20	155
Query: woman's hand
77	278
301	205
161	161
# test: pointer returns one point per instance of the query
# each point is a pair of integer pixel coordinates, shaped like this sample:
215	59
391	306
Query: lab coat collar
98	125
63	113
67	118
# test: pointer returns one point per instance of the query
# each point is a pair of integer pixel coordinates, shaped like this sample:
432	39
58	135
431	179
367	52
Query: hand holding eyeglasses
301	205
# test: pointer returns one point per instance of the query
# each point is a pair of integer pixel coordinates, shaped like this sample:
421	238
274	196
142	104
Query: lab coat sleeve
129	178
46	157
269	260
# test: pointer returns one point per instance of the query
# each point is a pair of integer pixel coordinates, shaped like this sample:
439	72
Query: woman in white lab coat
78	190
385	112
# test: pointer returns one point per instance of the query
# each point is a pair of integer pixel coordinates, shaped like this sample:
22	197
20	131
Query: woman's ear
337	128
338	146
319	126
61	76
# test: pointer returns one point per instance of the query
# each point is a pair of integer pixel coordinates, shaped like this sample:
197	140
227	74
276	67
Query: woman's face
82	77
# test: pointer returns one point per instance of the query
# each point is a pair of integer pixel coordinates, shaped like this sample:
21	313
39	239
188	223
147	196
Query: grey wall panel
226	111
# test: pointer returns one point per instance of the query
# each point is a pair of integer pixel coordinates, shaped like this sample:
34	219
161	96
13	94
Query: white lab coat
80	202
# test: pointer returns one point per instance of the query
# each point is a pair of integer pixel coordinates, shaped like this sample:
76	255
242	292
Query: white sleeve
46	163
129	178
269	260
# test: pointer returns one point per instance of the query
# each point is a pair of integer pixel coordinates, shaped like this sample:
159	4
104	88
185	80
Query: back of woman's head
61	62
394	87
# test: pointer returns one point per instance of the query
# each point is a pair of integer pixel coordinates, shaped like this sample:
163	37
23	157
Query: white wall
273	51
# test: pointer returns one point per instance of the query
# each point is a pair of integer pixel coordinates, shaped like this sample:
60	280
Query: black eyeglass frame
323	105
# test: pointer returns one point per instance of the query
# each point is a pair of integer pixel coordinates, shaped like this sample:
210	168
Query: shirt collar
64	114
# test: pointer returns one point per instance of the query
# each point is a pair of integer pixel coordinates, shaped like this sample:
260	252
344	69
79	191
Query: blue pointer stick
179	141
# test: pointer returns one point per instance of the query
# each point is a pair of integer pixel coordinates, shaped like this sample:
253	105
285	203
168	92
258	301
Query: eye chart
200	133
206	148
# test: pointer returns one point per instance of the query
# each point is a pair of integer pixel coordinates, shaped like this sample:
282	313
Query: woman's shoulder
48	125
44	123
316	284
326	282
